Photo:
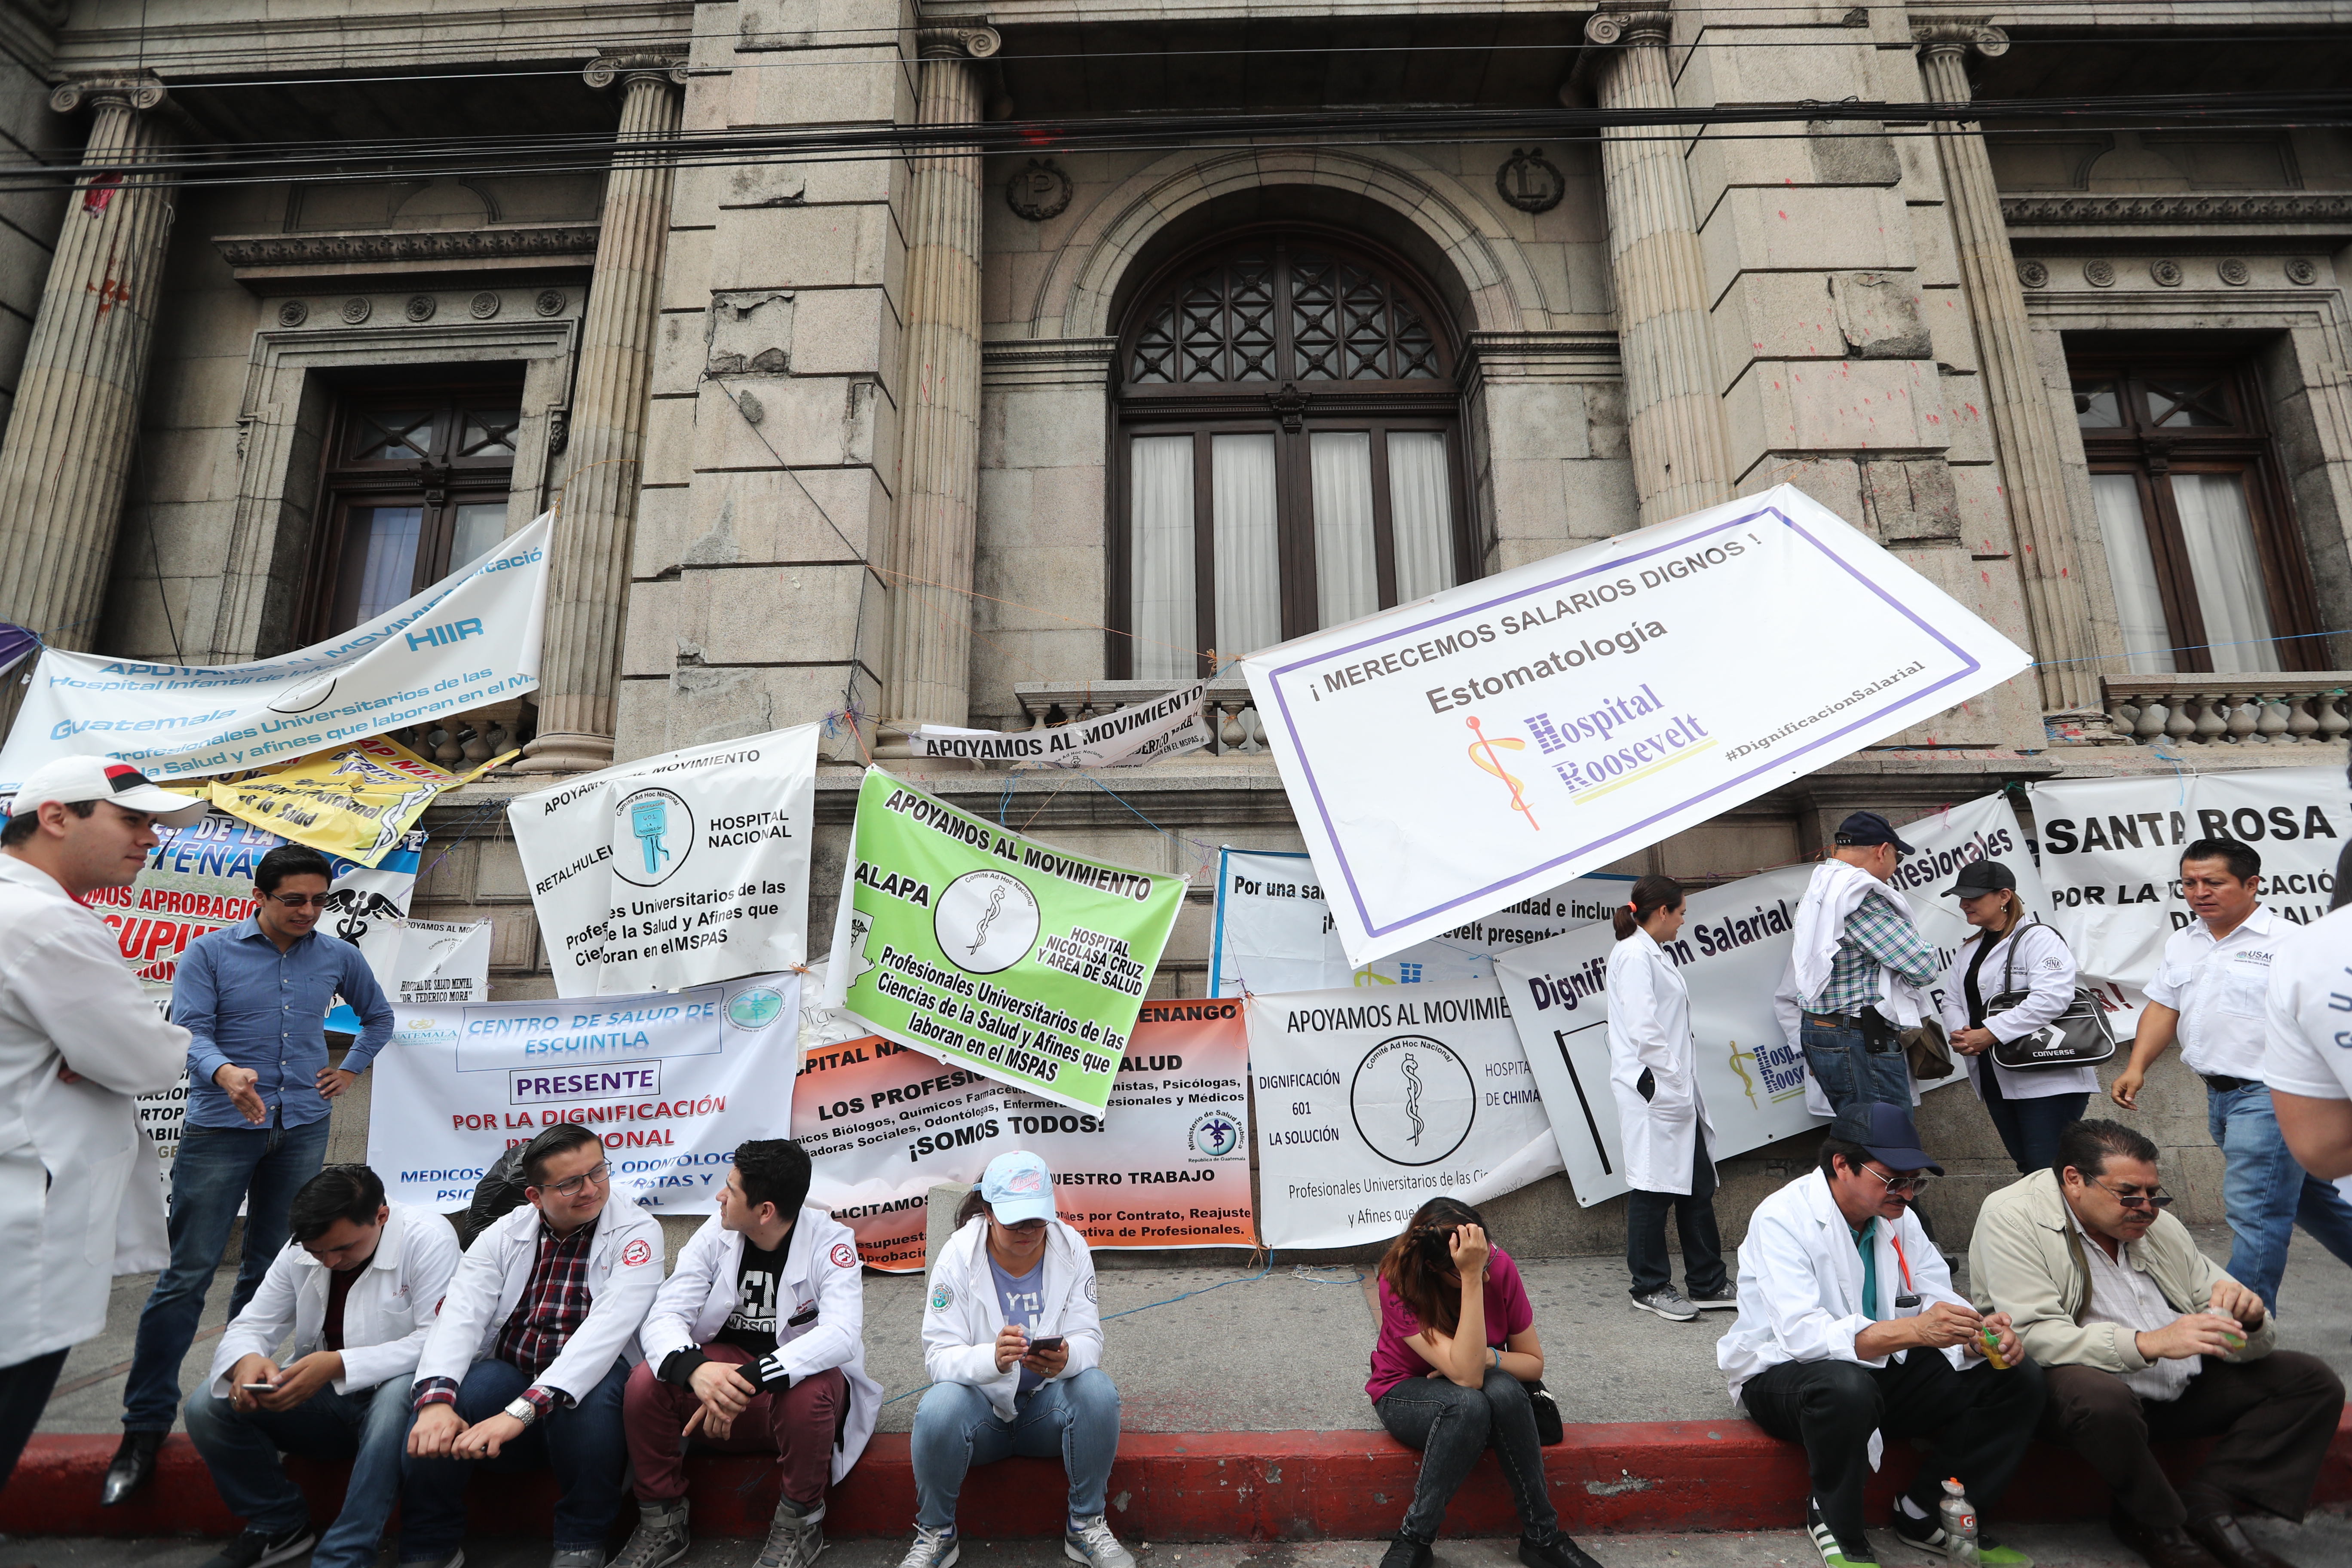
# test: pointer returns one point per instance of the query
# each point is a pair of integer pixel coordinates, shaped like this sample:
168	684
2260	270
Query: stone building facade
889	437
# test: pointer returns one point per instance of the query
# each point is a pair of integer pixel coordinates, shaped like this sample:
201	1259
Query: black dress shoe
2225	1539
133	1464
2161	1545
1559	1552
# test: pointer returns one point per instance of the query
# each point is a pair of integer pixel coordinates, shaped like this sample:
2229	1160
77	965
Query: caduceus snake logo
980	934
1413	1097
1745	1082
1482	751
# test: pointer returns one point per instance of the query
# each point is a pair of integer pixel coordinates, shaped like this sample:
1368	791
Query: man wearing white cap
77	1040
1012	1340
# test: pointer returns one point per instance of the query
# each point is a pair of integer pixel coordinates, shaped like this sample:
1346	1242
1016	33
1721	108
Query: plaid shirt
555	1303
1876	937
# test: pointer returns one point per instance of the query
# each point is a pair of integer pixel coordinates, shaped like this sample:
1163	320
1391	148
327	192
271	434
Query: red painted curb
1203	1486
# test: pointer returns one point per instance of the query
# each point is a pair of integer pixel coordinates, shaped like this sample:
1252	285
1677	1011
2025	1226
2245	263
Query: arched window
1287	452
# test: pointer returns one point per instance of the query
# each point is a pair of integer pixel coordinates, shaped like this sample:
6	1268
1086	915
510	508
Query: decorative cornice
957	41
2260	206
136	90
1652	24
567	241
605	70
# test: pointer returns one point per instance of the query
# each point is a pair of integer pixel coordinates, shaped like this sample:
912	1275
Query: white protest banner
1149	731
1462	752
673	871
471	638
1167	1164
670	1081
1369	1103
442	961
1733	947
2111	858
1274	931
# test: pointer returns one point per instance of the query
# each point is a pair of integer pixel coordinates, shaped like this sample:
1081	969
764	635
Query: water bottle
1958	1517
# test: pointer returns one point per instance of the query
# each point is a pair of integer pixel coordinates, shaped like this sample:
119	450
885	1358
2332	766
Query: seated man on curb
526	1365
357	1286
1850	1333
755	1345
2143	1337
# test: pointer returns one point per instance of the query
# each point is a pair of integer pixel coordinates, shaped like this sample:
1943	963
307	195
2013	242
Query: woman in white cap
1011	1340
2011	952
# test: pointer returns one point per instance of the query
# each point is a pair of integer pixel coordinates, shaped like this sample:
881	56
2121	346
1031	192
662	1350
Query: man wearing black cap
1850	1333
1854	970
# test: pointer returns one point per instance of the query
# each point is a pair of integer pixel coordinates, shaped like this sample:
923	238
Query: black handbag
1549	1429
2079	1037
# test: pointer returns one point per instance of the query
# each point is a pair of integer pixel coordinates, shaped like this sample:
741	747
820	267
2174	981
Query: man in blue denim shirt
253	997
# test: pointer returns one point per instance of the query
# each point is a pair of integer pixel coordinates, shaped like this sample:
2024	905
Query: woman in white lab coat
2012	951
1661	1115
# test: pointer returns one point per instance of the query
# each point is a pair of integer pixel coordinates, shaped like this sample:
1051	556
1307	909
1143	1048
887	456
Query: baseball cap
1017	1186
70	779
1869	827
1886	1132
1982	877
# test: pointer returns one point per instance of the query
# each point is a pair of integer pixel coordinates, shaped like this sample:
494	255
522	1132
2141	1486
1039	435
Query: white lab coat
625	1272
1836	891
1800	1285
386	1316
821	1281
1649	1028
2043	966
962	1315
81	1195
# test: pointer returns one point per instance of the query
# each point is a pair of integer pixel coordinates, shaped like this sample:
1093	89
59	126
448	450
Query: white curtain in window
390	572
479	525
1420	512
1347	572
2228	572
1166	618
2132	569
1249	569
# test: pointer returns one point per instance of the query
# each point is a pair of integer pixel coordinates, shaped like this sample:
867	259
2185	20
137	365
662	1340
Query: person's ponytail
1650	895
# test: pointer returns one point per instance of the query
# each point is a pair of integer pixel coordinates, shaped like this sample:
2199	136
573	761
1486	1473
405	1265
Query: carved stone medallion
1039	192
1530	182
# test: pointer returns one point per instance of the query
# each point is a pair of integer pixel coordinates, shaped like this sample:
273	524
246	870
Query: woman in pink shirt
1456	1351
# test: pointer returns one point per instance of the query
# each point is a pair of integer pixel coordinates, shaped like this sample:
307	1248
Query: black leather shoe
2225	1539
1559	1552
1404	1551
133	1464
2161	1545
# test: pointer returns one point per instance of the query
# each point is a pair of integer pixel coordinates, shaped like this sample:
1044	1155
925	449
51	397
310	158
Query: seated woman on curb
1457	1348
1012	1340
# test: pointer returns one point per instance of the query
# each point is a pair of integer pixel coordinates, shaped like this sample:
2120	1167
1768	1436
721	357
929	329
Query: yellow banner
355	801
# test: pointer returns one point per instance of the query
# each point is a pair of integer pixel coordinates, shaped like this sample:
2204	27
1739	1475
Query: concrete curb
1206	1486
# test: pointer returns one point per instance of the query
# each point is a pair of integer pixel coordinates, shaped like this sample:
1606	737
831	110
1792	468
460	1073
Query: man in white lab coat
357	1286
79	1196
1850	1333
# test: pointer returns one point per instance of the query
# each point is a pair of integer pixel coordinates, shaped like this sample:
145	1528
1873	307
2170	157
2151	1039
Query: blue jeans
2265	1193
1849	1072
1074	1419
217	1168
368	1427
2029	1129
584	1446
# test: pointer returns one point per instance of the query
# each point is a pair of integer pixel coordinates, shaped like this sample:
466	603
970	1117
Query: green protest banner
969	942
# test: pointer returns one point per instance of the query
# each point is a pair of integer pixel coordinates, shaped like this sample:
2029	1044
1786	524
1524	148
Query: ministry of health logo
1215	1135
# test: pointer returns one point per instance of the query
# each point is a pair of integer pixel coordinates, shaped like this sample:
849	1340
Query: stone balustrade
2305	709
463	741
1233	716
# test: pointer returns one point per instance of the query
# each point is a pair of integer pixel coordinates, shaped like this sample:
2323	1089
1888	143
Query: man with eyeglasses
2144	1337
527	1365
254	999
1850	1334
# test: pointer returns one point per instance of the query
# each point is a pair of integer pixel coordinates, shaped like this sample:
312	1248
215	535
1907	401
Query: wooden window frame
1293	412
2152	453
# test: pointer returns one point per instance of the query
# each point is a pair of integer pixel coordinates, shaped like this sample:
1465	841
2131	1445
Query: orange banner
1166	1165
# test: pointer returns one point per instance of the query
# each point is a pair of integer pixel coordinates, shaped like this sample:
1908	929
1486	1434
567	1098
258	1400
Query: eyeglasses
1025	1227
1902	1186
2159	1199
300	901
570	1186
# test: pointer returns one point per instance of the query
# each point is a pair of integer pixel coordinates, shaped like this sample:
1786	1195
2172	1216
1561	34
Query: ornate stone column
2057	607
65	462
1673	408
939	395
588	582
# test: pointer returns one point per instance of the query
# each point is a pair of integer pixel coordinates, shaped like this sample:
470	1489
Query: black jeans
1645	1232
24	1395
2029	1129
1451	1425
1980	1419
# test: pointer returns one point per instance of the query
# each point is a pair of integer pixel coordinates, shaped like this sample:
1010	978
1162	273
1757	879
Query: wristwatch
522	1410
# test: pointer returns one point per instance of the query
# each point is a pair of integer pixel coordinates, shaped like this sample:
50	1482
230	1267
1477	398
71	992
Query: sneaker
455	1559
1668	1303
1404	1551
660	1539
260	1549
932	1548
1928	1535
1825	1542
1089	1540
1723	1301
1559	1552
794	1538
577	1557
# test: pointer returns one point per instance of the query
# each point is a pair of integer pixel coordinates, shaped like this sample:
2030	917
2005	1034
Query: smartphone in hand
1053	1344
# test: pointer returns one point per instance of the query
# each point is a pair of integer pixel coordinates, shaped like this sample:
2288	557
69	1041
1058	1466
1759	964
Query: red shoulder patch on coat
637	1252
843	1255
